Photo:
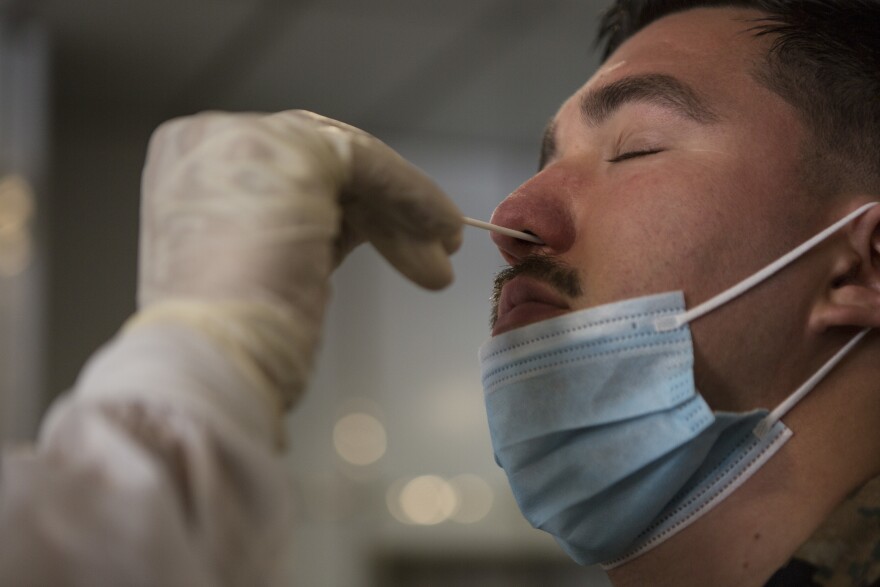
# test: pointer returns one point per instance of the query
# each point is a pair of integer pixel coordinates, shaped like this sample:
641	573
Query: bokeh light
359	439
16	209
425	500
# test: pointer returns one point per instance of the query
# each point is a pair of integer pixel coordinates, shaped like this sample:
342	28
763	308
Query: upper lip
523	289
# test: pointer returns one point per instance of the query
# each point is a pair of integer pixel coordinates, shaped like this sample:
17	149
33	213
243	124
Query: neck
741	542
755	531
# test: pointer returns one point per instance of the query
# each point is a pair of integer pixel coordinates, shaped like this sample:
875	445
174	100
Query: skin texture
722	198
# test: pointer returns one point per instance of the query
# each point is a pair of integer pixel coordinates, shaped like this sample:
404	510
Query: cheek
646	233
682	223
759	201
697	220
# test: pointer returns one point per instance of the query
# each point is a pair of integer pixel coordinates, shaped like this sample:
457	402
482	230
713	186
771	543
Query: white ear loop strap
779	411
666	323
672	322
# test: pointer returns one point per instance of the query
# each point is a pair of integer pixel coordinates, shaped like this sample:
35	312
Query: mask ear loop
666	323
779	411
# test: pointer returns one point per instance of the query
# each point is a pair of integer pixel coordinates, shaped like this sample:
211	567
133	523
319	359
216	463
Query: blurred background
393	475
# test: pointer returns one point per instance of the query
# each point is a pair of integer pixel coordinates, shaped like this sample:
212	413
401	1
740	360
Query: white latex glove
244	216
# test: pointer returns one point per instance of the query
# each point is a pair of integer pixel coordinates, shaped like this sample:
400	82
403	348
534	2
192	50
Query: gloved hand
244	216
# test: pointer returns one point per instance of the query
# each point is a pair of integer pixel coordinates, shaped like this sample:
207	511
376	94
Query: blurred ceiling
482	69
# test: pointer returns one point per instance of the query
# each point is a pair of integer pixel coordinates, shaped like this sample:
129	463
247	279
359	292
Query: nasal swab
505	231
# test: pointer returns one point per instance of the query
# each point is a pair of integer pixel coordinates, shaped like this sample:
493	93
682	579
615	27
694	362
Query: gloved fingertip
452	243
439	277
424	263
429	266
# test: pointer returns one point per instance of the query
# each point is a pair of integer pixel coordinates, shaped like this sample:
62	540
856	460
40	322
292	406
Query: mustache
555	273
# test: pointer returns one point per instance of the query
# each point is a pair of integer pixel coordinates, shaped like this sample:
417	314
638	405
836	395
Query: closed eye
633	155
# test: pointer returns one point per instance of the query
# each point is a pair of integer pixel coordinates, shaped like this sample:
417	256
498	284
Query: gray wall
93	230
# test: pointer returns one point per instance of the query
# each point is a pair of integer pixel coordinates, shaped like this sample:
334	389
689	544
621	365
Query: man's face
673	168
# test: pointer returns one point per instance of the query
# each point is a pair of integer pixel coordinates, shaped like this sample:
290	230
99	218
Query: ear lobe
853	296
853	305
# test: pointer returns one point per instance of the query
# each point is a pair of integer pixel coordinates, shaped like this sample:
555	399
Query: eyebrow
659	89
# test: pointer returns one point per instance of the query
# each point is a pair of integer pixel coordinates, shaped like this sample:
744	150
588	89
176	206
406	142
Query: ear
852	298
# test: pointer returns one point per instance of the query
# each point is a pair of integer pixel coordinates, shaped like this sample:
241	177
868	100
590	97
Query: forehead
710	49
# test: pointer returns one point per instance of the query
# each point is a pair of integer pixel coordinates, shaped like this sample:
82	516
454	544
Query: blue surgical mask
605	440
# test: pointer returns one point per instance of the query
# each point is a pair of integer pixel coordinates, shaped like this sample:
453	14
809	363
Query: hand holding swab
505	231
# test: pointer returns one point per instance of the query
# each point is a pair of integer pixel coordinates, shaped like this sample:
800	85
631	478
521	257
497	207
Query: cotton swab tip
502	230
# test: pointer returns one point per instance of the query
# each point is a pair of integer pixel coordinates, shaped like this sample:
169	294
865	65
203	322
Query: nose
537	208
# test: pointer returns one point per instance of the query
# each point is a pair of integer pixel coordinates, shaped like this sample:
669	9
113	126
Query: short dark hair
824	60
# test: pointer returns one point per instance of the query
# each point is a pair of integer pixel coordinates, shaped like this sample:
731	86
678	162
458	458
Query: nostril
537	240
542	209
